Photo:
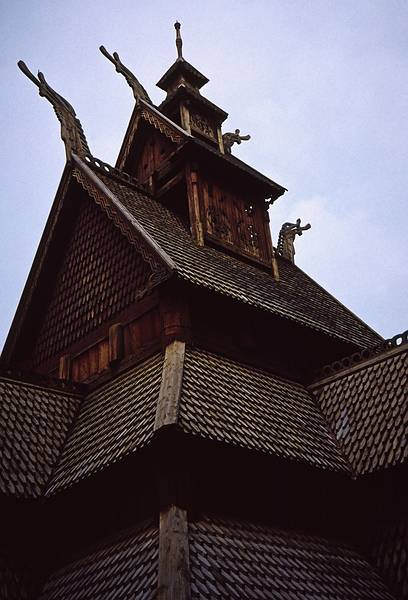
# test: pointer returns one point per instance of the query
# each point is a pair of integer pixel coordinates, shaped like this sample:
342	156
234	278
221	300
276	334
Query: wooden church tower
169	427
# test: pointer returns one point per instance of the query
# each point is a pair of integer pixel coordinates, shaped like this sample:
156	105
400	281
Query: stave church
186	414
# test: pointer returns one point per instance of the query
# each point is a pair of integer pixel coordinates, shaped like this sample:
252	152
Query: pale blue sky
321	86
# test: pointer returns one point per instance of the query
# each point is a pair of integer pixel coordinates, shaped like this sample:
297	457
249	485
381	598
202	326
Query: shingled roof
33	427
232	559
229	402
296	296
125	567
366	407
114	421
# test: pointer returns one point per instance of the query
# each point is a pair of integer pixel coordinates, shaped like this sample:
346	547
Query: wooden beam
170	184
174	563
170	389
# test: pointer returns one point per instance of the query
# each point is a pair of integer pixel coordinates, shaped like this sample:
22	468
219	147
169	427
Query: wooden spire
179	41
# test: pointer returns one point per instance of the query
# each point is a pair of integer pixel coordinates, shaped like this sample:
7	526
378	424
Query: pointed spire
72	133
133	82
179	41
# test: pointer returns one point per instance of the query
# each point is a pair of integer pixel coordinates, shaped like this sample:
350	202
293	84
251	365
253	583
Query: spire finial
179	41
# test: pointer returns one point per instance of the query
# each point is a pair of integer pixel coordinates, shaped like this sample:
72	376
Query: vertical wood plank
194	205
93	360
115	343
174	560
185	117
171	383
103	355
64	371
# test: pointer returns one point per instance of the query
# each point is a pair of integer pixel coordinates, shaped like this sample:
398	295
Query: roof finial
72	133
287	234
179	41
138	89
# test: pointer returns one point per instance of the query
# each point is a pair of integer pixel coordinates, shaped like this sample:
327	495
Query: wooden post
269	243
220	140
64	371
185	117
115	343
170	389
194	205
174	568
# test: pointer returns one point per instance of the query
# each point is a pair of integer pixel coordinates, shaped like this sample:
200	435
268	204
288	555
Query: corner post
174	569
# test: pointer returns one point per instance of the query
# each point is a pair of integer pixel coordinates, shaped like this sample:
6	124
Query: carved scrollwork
202	124
218	224
248	237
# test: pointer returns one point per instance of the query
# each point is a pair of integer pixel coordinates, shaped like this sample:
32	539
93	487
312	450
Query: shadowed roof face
113	422
231	559
296	296
122	568
366	407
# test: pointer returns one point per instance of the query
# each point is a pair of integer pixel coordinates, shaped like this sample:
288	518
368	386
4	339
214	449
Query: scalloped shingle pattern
296	296
230	402
389	553
126	568
33	426
230	559
367	410
114	421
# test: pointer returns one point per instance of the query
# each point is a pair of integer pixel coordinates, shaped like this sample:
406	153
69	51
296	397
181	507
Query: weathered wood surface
235	219
196	224
174	569
115	343
156	148
64	371
170	389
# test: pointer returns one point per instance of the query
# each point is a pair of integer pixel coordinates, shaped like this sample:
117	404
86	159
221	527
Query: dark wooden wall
235	218
155	149
99	275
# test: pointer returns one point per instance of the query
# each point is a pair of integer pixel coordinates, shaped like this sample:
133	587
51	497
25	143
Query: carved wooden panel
235	219
202	124
156	148
100	274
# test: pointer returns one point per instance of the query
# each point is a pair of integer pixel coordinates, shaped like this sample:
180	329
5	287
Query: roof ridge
99	165
397	341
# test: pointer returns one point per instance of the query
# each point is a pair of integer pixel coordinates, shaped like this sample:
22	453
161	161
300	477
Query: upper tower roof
181	72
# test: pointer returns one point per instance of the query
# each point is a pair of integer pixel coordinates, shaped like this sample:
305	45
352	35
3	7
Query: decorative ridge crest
72	133
133	82
162	123
99	165
350	361
45	381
